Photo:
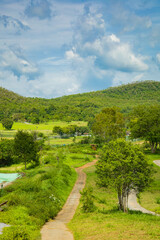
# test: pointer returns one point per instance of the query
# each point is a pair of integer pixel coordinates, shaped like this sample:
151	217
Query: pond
8	177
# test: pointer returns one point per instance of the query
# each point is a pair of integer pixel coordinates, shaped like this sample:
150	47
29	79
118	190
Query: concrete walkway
56	229
132	200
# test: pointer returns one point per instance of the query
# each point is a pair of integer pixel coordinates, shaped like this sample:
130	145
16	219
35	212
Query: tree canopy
145	124
25	147
109	124
123	166
78	106
7	123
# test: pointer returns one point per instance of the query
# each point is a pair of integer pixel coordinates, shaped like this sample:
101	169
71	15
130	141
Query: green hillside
79	106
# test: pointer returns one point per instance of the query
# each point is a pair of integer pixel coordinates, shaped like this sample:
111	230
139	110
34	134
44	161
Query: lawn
107	222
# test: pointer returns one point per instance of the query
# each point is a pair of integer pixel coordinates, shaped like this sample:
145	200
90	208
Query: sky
51	48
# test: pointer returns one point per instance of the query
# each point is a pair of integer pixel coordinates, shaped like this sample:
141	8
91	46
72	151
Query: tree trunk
120	199
153	147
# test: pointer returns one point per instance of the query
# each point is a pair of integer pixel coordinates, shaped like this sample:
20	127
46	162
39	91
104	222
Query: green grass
106	222
35	199
62	141
149	198
45	128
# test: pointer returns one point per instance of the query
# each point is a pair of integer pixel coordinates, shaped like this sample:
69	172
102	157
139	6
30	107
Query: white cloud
15	61
124	78
110	52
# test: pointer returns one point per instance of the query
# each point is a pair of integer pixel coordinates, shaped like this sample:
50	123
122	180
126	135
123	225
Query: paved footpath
56	229
132	200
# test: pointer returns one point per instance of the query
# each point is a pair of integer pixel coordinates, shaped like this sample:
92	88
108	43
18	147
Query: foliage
34	199
125	167
145	124
70	130
7	123
25	147
109	124
87	200
6	152
107	222
79	106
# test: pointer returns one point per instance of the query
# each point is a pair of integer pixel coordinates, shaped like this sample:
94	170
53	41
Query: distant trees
6	152
70	130
123	166
145	124
7	123
26	148
109	124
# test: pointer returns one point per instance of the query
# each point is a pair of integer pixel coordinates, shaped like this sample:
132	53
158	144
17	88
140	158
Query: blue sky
52	48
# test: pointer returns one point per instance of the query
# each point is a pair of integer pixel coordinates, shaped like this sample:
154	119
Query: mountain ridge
82	106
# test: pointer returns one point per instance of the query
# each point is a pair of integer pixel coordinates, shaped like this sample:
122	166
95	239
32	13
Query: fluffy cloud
124	78
48	85
106	49
13	59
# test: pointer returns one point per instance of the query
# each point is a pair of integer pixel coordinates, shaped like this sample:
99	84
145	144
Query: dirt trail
56	229
132	200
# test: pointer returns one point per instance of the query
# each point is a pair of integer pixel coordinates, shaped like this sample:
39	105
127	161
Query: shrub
87	200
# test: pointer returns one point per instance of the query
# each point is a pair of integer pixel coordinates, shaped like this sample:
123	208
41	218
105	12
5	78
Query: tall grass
35	199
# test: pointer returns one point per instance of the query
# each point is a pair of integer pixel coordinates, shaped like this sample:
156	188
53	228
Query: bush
87	200
16	232
7	123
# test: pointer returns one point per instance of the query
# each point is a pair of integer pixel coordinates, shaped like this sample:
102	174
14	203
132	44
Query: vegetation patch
35	199
112	223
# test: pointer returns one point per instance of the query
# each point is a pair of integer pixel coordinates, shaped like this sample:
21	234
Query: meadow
45	128
39	195
107	222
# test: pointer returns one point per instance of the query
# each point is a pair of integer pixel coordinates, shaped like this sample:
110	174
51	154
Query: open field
112	224
45	128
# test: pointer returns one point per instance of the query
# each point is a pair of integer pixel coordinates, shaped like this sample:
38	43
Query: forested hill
79	106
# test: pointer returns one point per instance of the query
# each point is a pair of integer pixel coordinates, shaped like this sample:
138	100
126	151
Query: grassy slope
83	106
33	199
108	223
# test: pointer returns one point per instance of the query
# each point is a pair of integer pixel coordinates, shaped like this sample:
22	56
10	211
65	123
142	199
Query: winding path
56	229
132	200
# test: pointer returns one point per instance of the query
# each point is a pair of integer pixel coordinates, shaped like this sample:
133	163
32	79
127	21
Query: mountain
79	106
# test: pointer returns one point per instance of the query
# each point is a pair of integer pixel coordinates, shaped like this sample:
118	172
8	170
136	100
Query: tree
58	130
7	123
6	152
25	147
145	124
109	124
123	166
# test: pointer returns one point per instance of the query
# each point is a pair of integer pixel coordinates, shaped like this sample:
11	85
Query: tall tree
25	147
7	123
123	166
109	124
145	124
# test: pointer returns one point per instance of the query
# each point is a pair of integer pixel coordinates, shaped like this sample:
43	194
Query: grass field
45	128
107	222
